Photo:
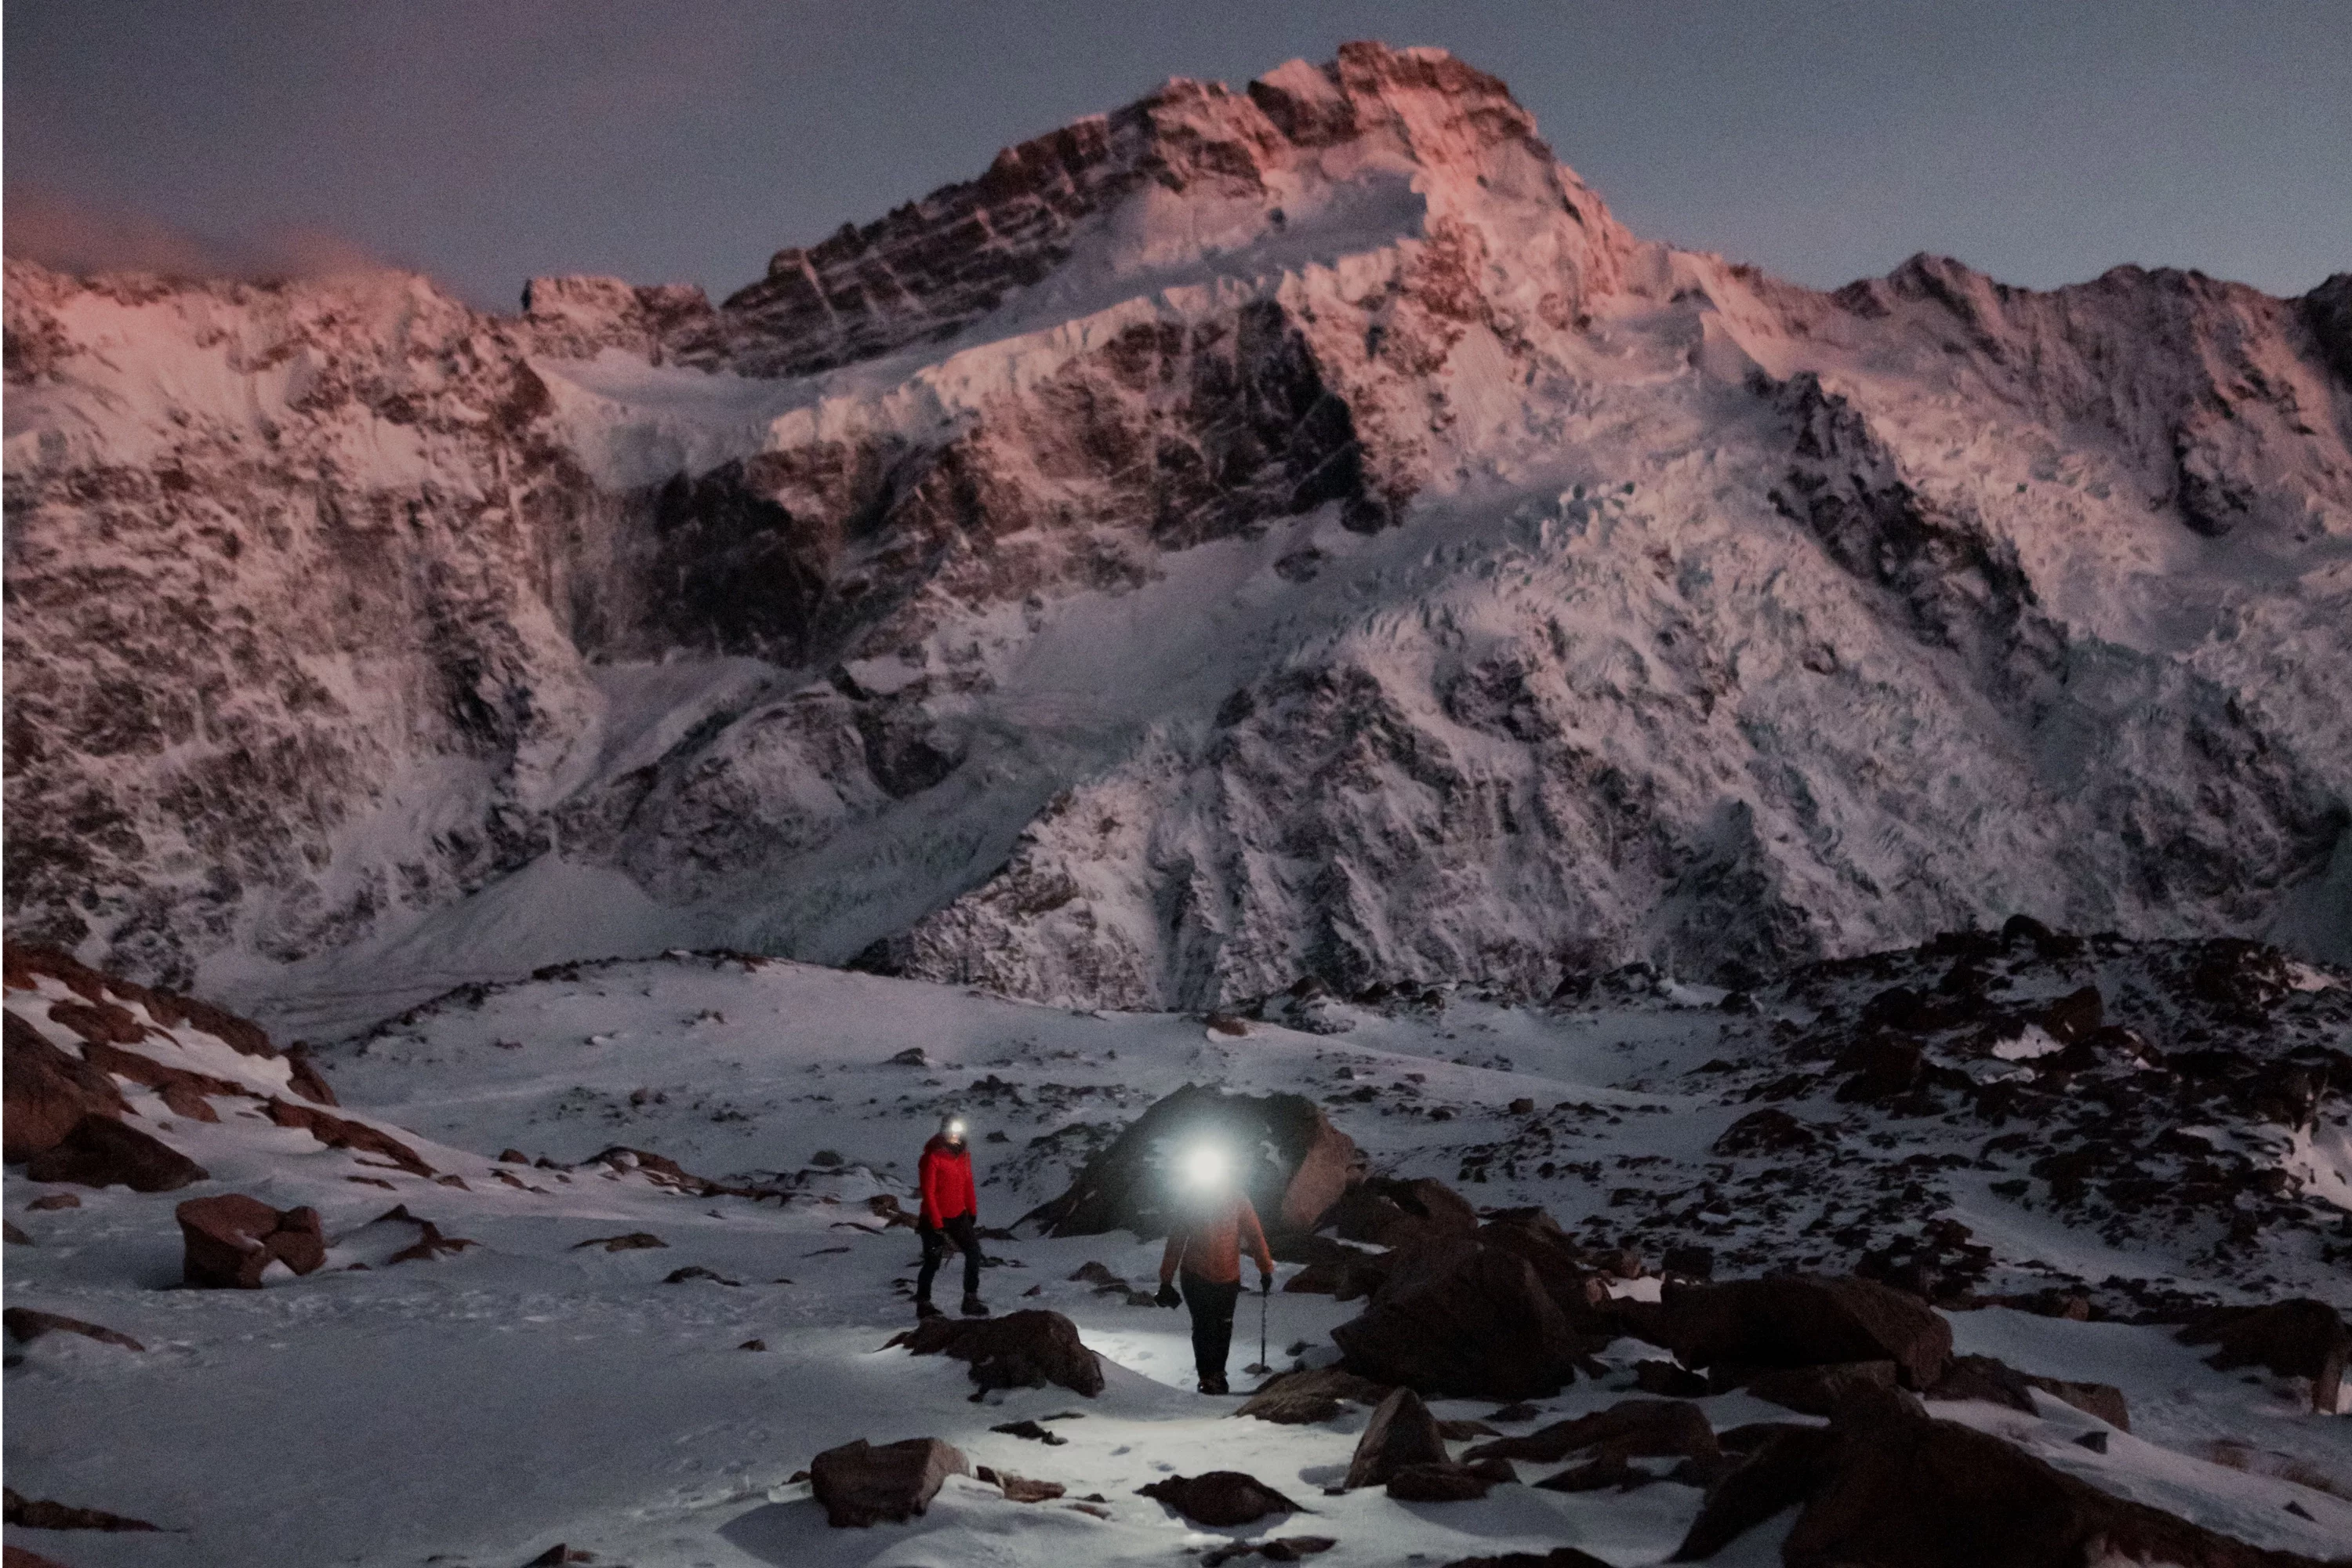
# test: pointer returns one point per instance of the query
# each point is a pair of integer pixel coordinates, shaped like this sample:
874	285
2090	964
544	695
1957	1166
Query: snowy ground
475	1410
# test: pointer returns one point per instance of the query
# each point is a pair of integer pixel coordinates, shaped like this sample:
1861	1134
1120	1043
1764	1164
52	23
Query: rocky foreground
614	1262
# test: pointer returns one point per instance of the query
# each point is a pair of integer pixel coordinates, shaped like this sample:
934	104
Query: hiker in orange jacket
1204	1250
951	1210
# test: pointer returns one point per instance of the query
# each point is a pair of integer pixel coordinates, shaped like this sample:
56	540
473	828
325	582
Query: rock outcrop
230	1240
861	1484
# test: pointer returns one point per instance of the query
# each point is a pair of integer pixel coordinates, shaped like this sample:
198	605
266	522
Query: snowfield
478	1409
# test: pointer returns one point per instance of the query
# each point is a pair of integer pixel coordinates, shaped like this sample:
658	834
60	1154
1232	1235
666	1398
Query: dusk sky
1821	140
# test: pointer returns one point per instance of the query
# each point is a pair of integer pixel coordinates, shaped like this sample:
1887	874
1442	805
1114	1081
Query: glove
1266	1284
1167	1297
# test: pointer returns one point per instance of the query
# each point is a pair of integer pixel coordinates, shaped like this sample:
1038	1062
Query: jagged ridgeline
1253	535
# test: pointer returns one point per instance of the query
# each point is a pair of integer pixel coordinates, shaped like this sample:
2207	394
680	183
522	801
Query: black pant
1212	1306
935	1249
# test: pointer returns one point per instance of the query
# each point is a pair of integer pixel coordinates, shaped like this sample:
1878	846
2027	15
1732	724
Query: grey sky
684	140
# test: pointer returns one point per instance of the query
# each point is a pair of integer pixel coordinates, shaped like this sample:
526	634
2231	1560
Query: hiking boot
925	1309
1214	1385
974	1307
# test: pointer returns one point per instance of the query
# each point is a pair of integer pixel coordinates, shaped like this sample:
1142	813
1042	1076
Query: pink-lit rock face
1252	534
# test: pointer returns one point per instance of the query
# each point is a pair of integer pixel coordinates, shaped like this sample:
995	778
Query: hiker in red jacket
1205	1248
950	1209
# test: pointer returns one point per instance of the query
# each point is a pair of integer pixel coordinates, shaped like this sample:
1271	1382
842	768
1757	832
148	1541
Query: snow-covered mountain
1252	535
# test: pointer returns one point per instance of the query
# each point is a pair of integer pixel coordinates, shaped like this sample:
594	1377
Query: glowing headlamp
955	1128
1203	1167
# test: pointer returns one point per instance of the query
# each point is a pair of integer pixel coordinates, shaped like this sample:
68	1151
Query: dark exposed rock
1558	1557
1886	1485
25	1325
1812	1390
47	1090
1977	1377
1770	1130
1306	1398
1220	1498
1441	1480
230	1239
1803	1322
1631	1429
26	1514
634	1241
1401	1433
861	1483
99	1151
1309	1168
1020	1350
2301	1337
1464	1320
340	1132
1665	1377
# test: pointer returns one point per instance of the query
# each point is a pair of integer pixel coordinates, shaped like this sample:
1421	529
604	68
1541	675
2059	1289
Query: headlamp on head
1203	1167
952	1127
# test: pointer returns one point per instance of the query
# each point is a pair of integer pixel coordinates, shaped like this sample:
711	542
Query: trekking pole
1261	1368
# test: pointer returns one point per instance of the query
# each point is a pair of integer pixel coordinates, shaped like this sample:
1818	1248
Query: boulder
1306	1398
1631	1429
1818	1390
1444	1481
1402	1432
18	1557
47	1090
1983	1377
1802	1322
2301	1338
99	1151
1558	1557
1221	1499
1463	1320
340	1132
1297	1164
30	1514
860	1483
1886	1485
1570	1276
230	1239
1665	1377
1020	1350
24	1325
1770	1130
1389	1212
2103	1400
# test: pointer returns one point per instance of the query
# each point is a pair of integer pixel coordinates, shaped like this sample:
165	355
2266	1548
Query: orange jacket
1210	1246
945	1173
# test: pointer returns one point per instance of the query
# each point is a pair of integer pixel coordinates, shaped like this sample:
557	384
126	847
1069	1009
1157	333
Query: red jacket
1210	1246
946	1177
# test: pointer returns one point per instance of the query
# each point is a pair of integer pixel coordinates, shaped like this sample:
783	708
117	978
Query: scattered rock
752	1345
1031	1431
1980	1377
24	1325
2103	1400
340	1132
1558	1557
1665	1377
15	1234
1401	1433
559	1554
1886	1484
47	1090
912	1057
1444	1481
53	1201
99	1151
429	1244
1306	1398
861	1484
1817	1389
1631	1429
1770	1130
186	1093
2096	1441
1688	1263
1388	1212
1020	1489
1221	1499
26	1514
1464	1320
1306	1167
17	1557
513	1157
1803	1322
1282	1549
1020	1350
637	1240
2301	1337
229	1240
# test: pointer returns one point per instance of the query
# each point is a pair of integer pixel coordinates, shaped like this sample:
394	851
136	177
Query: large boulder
861	1483
1402	1432
342	1132
100	1152
1295	1165
1307	1398
1802	1321
47	1090
1389	1211
1020	1350
1221	1499
1463	1320
1572	1279
2301	1337
229	1240
1885	1485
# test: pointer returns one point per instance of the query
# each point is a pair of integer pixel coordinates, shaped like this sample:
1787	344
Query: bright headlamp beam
1204	1166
